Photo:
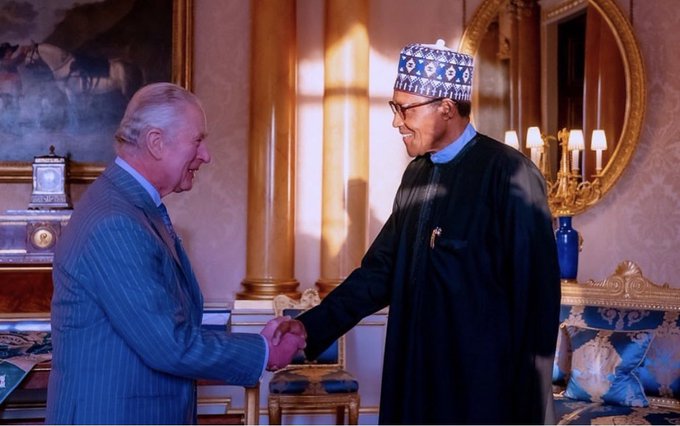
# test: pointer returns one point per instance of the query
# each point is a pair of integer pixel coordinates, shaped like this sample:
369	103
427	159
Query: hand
282	351
291	326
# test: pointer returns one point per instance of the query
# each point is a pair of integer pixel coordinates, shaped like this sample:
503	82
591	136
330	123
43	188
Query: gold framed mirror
505	103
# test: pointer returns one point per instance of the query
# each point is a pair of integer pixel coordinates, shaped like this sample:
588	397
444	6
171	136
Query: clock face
42	238
49	179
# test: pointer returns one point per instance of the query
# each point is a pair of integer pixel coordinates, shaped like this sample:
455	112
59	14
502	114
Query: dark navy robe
468	267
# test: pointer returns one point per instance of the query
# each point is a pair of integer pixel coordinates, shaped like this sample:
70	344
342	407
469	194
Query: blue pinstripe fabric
126	314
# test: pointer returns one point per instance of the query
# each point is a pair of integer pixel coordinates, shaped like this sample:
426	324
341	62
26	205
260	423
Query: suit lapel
139	197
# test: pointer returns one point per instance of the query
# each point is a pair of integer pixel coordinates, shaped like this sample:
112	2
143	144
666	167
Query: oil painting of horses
67	72
92	90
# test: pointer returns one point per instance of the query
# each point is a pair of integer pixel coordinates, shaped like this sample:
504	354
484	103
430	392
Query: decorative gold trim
14	267
664	402
480	21
267	288
370	409
564	8
24	316
15	172
183	43
636	92
626	288
636	99
205	401
309	299
182	74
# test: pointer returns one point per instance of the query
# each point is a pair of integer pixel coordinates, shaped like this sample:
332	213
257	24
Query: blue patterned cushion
660	371
312	381
603	364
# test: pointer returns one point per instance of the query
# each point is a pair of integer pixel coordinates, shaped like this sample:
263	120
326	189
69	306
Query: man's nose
203	153
397	121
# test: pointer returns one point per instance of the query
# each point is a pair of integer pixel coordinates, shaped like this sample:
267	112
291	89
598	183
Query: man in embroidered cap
466	263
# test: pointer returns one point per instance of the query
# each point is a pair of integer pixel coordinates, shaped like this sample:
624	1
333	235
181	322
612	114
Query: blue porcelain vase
567	248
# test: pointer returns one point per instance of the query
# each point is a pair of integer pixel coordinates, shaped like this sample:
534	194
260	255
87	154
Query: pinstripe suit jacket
126	314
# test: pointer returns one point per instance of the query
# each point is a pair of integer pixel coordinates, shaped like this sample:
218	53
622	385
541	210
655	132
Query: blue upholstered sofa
618	351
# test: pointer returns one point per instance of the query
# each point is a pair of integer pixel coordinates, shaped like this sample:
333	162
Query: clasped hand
285	337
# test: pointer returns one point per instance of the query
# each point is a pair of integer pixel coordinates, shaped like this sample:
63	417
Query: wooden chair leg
274	412
340	415
252	406
353	411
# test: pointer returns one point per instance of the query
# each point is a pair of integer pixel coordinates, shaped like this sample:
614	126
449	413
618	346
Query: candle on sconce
535	143
512	139
575	145
598	143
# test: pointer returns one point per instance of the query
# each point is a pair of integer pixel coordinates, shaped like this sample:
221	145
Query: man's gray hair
157	105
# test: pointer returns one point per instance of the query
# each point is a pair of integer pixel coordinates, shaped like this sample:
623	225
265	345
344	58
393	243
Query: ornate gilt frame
633	65
182	64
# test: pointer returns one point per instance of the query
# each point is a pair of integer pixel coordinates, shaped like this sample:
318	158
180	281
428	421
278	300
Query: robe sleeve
535	282
365	291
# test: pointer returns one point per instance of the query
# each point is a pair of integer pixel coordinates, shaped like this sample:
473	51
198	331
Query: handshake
285	338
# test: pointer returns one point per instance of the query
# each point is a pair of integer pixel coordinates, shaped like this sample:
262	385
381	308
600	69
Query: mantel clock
49	183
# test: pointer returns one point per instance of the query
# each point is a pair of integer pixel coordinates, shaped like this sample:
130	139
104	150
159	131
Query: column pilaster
345	150
271	153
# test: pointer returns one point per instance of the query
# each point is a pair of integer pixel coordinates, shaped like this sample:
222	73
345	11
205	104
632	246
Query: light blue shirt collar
153	192
451	150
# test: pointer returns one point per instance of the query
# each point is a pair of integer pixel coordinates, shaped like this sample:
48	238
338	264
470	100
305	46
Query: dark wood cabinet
25	288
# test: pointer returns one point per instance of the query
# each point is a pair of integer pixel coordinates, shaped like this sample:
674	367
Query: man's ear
153	139
448	108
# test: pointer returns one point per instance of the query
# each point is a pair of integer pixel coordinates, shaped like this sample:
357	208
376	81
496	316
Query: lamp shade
512	139
576	142
598	141
534	139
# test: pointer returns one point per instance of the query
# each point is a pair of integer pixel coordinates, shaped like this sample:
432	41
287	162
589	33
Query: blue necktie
167	221
192	289
184	259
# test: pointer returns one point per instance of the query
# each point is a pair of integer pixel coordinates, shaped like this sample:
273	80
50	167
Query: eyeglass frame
400	110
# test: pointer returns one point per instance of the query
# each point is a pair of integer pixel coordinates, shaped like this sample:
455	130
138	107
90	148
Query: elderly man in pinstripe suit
127	309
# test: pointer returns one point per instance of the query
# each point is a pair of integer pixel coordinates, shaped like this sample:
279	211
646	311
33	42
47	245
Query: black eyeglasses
401	109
